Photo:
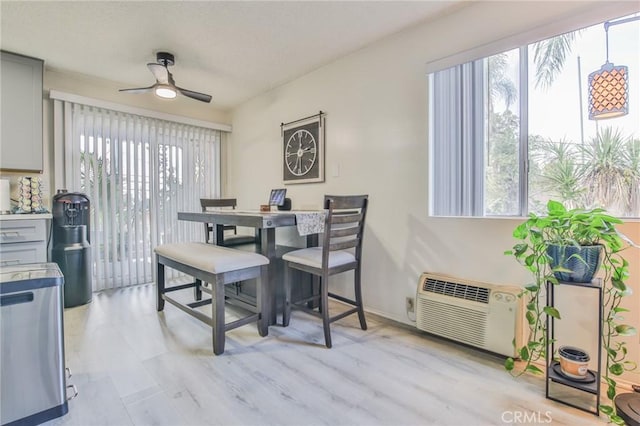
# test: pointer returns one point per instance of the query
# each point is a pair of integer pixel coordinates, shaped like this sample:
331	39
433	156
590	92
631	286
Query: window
510	131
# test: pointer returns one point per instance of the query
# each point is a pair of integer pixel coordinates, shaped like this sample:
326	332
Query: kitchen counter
26	216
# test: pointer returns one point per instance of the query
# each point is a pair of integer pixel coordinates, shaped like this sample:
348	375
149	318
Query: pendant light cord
606	38
607	24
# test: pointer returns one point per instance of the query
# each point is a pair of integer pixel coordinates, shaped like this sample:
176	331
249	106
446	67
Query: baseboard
404	321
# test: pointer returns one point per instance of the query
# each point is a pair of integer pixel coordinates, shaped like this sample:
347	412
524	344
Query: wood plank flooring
134	366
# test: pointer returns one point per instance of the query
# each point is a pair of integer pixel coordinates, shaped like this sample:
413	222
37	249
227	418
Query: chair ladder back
346	217
207	203
218	202
344	224
343	245
344	232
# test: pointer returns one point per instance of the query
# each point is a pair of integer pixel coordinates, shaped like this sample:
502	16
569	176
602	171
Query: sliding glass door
138	173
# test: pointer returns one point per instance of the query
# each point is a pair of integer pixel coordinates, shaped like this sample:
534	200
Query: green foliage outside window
601	171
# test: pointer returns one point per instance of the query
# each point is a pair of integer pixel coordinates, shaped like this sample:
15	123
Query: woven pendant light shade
608	92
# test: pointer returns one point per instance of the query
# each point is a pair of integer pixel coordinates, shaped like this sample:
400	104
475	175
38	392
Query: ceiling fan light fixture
165	91
165	87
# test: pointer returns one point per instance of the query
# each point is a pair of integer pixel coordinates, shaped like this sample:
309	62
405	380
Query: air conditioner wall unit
484	315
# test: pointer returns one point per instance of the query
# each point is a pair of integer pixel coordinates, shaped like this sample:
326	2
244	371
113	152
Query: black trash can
71	247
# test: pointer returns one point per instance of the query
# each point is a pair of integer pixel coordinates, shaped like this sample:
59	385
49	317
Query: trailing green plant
561	226
615	273
531	252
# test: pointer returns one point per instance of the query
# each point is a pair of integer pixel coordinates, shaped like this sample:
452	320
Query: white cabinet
23	239
21	99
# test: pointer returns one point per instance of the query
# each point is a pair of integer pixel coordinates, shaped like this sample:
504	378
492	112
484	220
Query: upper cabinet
21	100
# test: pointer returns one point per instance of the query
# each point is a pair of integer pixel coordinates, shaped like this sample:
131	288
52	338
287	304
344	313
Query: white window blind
138	172
457	132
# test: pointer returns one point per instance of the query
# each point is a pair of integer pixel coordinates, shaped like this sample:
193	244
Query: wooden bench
217	266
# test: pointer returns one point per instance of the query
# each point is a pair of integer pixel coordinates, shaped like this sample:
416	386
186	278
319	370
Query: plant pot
582	261
574	362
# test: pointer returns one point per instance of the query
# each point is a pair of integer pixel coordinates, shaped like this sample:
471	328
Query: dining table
309	223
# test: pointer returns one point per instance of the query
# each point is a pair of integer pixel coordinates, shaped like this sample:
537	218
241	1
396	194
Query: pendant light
609	86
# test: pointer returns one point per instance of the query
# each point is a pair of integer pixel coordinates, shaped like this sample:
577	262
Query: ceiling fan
165	86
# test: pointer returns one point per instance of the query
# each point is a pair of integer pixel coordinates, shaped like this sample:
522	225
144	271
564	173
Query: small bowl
574	362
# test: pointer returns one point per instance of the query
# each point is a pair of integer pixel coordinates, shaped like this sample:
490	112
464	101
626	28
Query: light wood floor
134	366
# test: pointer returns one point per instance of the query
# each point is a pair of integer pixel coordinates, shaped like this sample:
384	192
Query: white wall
376	143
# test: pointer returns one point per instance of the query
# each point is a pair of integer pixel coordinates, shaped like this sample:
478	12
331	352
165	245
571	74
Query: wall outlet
410	304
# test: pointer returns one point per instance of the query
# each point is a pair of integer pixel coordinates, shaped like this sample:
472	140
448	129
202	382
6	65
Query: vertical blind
457	135
138	172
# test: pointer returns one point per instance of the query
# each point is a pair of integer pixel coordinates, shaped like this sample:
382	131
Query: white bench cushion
313	257
210	258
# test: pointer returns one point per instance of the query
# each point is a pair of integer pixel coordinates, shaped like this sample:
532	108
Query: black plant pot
582	261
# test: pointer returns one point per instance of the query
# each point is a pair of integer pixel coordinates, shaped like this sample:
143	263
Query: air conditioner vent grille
453	322
457	290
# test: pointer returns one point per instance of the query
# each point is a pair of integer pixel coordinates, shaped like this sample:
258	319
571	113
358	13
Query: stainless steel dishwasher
32	371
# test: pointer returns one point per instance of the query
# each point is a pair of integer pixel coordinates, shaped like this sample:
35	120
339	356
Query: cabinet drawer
18	253
22	231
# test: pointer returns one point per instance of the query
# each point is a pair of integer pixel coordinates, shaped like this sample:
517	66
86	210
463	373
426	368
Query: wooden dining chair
341	251
228	239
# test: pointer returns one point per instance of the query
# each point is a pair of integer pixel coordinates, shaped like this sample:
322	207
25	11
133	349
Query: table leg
218	235
263	301
314	282
268	249
217	315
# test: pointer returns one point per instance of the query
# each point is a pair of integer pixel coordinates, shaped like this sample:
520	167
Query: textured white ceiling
232	50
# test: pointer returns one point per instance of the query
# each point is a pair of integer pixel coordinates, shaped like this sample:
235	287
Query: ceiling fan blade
139	89
194	95
160	72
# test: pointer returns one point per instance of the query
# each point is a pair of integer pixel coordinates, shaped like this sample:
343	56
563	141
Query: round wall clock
303	144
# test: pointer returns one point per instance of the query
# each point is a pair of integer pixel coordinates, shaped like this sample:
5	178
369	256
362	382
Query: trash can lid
29	276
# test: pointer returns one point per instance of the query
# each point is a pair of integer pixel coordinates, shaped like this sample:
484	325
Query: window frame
596	15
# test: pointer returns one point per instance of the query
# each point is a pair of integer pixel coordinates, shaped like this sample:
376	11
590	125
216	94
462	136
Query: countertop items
30	195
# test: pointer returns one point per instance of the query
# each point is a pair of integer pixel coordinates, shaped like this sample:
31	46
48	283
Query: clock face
301	152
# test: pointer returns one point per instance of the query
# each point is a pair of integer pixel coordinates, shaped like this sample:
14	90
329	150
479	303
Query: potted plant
576	239
550	247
